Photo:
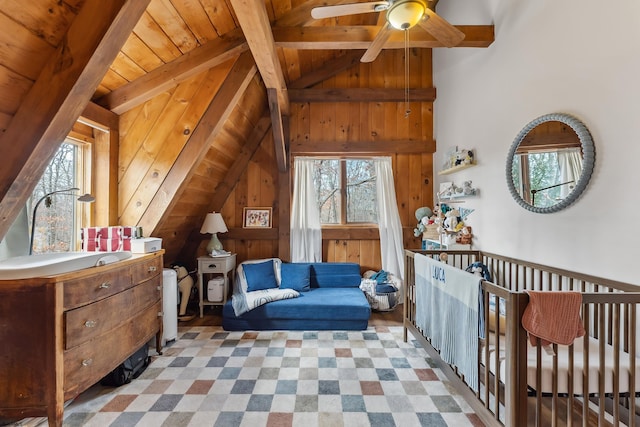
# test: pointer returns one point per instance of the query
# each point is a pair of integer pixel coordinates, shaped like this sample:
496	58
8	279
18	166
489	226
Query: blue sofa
331	300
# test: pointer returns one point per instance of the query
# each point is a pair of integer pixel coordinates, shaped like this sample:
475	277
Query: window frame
342	161
82	180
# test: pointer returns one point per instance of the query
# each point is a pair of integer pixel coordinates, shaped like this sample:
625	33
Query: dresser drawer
90	321
147	269
86	364
85	290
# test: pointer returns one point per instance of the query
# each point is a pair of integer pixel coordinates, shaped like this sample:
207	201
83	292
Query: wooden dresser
61	334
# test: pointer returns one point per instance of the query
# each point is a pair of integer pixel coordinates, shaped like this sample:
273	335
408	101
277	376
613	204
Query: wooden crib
521	384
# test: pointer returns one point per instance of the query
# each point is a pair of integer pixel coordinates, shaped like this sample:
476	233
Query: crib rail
540	389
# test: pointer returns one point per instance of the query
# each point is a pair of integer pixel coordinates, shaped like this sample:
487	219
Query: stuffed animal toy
479	269
467	190
423	212
468	157
185	283
451	220
423	215
465	236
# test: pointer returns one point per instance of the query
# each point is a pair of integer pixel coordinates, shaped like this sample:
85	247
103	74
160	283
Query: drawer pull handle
104	285
90	323
213	266
87	362
153	268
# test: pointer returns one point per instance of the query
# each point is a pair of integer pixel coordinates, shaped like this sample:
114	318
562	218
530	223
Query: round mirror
550	163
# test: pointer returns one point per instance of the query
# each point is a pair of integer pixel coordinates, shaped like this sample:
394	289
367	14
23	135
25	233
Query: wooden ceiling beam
59	96
198	60
327	70
254	21
99	117
211	123
278	124
361	36
361	95
310	148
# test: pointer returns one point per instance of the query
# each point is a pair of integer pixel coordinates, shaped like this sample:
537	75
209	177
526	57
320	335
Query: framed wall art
257	218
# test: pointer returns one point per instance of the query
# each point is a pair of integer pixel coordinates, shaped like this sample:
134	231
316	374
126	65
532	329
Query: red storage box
107	239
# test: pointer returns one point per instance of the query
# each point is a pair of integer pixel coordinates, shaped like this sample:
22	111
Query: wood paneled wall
154	133
313	127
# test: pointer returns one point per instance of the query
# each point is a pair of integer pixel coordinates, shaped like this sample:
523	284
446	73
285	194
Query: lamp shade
213	223
406	14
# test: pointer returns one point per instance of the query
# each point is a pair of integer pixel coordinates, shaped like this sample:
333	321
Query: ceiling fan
401	15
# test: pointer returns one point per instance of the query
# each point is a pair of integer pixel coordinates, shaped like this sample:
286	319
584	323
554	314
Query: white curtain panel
570	163
306	234
391	247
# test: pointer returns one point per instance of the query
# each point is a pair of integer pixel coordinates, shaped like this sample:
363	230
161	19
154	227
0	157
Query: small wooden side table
215	265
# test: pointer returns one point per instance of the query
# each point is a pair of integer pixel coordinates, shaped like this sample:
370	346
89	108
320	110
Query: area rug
209	377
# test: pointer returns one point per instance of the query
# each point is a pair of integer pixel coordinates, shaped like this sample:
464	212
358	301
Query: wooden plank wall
153	134
313	125
183	222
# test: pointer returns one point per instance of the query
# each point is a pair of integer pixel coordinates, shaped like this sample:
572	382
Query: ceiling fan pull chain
407	110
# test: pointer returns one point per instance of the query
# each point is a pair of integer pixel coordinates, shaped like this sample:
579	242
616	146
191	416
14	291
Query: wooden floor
213	317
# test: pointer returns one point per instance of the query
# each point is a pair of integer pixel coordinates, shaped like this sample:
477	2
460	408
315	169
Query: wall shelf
433	244
455	169
457	196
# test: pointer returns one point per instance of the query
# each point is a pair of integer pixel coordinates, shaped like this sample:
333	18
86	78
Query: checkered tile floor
210	377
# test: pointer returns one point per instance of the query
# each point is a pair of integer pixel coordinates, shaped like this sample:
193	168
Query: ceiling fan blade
348	9
442	30
377	44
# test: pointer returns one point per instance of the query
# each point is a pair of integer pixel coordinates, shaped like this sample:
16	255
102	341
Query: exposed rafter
361	36
255	24
361	95
164	77
327	70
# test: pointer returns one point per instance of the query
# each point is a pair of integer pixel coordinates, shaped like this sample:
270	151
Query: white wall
580	57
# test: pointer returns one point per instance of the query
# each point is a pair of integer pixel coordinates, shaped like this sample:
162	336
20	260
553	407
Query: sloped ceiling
198	76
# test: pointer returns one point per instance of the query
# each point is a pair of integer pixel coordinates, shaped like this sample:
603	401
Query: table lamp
214	224
85	198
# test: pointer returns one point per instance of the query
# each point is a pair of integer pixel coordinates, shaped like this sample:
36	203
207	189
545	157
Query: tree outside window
55	225
346	191
537	170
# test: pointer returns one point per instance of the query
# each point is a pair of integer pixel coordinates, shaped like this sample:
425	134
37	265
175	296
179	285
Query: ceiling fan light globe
405	14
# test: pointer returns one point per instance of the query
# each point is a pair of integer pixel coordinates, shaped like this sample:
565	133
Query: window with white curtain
345	191
543	178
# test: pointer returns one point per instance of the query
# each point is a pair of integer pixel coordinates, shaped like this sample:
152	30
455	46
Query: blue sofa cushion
321	304
295	276
260	276
335	275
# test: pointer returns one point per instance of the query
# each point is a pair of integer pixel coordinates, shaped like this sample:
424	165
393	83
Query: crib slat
486	349
570	379
601	378
585	372
498	350
554	387
632	364
616	363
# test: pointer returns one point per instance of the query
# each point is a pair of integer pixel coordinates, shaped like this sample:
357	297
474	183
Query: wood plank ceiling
63	59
